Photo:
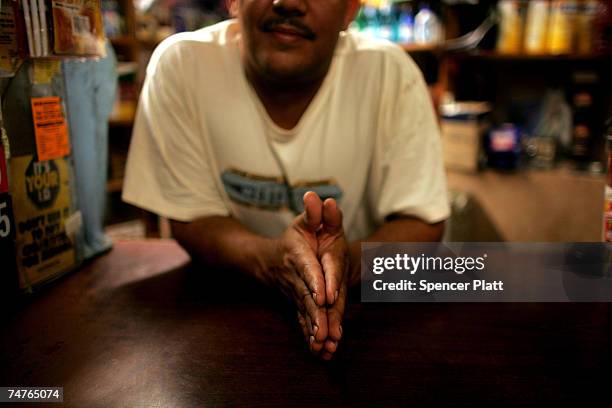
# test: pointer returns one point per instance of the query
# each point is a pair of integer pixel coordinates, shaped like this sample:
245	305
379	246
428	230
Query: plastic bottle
387	28
371	21
585	26
360	23
537	26
562	26
427	27
405	29
510	31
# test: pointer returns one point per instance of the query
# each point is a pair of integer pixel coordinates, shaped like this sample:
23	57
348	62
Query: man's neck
285	102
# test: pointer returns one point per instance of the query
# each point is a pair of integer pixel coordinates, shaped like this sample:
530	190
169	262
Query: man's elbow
437	231
185	234
177	228
413	229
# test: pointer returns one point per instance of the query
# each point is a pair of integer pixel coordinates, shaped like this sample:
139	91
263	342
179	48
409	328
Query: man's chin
282	74
289	73
285	68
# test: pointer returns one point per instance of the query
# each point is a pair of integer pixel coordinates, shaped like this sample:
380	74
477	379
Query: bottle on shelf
562	24
536	27
549	131
387	29
585	26
405	29
510	30
427	27
371	28
360	22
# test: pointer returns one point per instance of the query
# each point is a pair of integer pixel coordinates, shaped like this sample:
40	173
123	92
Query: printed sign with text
50	128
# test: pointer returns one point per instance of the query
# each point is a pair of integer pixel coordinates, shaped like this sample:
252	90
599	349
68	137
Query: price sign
50	128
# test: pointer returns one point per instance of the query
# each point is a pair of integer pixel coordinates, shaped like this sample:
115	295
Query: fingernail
315	329
314	296
311	340
341	330
335	296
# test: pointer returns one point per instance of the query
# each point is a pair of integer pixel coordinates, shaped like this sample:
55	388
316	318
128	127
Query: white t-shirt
203	143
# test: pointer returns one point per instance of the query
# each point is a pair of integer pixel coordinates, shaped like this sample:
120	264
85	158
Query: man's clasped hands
313	272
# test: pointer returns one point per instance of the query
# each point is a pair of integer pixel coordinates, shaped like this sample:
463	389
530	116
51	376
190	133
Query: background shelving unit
558	204
480	74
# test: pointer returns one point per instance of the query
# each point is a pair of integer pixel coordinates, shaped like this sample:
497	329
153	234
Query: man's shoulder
355	44
217	38
366	52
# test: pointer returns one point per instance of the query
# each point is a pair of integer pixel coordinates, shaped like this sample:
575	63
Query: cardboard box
464	125
40	175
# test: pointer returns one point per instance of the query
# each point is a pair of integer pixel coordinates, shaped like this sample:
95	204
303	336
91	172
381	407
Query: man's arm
395	229
289	262
225	243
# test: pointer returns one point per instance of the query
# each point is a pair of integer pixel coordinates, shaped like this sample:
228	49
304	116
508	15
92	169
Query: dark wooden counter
141	327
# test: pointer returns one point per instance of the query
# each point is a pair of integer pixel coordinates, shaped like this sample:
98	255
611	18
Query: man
242	128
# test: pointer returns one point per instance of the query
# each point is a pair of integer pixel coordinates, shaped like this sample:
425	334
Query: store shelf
496	56
414	48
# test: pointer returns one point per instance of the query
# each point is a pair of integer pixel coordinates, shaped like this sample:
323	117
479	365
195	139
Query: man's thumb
313	209
332	216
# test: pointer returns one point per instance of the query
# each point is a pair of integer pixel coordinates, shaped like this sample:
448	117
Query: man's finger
335	315
314	344
303	326
332	216
334	266
313	211
310	271
331	346
333	263
316	314
307	331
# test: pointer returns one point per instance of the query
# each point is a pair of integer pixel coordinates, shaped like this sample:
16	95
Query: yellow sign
45	70
41	205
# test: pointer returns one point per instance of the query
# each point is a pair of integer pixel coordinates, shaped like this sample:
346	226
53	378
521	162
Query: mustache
295	24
